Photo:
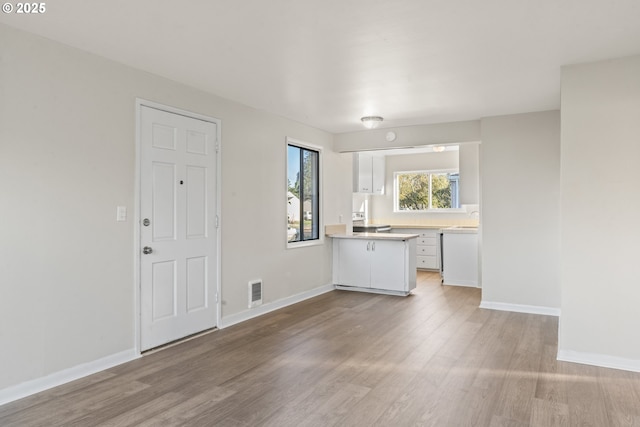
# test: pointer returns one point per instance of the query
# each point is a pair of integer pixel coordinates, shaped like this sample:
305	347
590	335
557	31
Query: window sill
306	243
433	211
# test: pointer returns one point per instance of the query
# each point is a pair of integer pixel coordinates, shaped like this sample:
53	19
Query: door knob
147	250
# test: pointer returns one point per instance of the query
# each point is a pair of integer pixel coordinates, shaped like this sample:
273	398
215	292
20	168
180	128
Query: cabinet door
377	174
354	268
460	259
363	166
388	265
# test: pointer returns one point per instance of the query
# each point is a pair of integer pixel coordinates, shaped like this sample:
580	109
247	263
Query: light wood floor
353	359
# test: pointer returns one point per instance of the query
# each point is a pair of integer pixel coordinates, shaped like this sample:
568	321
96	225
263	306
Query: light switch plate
121	213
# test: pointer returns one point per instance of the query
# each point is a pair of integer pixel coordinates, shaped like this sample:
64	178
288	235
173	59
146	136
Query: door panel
196	202
164	136
196	283
163	198
177	196
196	142
163	289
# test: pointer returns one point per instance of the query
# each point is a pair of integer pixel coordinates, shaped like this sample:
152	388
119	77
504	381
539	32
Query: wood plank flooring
353	359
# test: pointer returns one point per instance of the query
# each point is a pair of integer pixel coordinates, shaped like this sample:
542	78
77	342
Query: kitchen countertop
460	230
374	236
426	227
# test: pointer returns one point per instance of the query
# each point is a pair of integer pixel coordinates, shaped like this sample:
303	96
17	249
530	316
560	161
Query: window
425	190
303	192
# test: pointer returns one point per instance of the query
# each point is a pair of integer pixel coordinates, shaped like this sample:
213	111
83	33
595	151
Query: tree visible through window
303	193
419	191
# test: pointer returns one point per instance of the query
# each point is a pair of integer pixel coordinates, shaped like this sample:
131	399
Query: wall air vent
255	293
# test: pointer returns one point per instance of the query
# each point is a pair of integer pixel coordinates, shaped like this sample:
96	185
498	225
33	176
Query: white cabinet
428	247
368	173
382	266
388	266
377	174
354	262
460	259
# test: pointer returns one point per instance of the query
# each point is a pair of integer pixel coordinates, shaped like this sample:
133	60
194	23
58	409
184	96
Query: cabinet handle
373	246
368	245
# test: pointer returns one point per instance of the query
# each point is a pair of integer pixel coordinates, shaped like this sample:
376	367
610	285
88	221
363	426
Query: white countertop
419	227
374	236
460	230
430	226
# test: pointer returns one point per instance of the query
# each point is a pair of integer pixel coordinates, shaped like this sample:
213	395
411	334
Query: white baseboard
464	283
55	379
372	290
602	360
521	308
227	321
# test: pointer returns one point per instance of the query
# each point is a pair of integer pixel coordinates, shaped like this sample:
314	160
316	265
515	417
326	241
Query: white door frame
137	219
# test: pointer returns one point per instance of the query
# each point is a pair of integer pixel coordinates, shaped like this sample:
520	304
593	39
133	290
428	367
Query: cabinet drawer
429	233
427	262
426	250
427	241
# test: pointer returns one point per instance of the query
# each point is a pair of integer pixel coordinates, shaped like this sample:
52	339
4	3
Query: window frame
310	147
396	192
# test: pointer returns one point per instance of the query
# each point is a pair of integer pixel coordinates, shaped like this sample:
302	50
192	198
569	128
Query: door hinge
217	146
216	297
217	222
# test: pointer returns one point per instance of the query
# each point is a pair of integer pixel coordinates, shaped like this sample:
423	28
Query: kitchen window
426	191
303	194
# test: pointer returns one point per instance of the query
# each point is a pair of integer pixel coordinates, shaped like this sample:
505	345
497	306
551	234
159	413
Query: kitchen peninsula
382	263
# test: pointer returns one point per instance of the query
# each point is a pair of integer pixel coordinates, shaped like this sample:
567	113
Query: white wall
600	207
67	159
409	136
520	183
469	164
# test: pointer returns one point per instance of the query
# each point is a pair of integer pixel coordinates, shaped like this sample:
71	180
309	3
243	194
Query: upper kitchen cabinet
368	173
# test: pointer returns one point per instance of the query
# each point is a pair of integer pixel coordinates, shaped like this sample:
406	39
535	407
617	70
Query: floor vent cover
255	293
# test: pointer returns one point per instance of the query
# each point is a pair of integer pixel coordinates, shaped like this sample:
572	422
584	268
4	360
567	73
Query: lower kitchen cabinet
381	266
460	258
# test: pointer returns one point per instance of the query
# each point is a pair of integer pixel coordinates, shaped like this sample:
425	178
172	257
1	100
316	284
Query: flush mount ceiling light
438	148
371	122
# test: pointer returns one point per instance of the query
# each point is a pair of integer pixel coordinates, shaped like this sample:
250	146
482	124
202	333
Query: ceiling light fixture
371	122
438	148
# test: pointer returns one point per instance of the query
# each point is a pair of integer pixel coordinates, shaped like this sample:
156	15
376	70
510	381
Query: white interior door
178	226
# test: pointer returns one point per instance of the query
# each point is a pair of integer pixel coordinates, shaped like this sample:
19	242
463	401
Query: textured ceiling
327	63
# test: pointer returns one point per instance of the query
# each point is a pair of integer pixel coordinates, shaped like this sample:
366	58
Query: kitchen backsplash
440	222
